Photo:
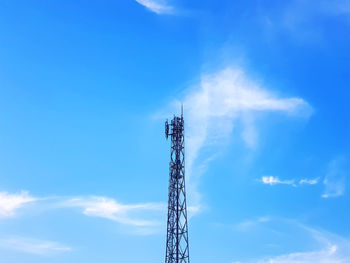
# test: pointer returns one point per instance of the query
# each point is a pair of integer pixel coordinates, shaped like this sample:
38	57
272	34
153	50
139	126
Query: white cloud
309	181
225	97
332	249
33	246
326	255
221	101
157	6
272	180
335	179
142	218
326	247
108	208
10	203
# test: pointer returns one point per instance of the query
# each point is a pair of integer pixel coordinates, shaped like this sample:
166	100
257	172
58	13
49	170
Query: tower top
168	126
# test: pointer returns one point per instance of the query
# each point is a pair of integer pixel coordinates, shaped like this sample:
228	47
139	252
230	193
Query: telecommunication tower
177	249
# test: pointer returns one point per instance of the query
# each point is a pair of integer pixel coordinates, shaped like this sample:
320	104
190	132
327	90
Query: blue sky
85	88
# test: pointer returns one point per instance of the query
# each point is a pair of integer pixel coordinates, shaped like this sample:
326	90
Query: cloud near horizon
332	249
328	254
316	246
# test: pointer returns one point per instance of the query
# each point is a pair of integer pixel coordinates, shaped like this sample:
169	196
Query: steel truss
177	249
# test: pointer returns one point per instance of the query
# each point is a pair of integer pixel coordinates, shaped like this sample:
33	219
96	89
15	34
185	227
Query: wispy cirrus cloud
309	181
157	6
335	178
304	20
33	246
221	101
332	249
142	218
11	203
274	180
328	254
316	246
136	215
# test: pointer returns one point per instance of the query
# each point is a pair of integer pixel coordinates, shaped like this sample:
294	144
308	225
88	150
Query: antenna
177	249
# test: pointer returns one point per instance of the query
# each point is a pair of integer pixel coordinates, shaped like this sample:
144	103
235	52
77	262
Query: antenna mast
177	249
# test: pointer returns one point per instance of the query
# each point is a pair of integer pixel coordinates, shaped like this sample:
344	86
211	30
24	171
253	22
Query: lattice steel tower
177	250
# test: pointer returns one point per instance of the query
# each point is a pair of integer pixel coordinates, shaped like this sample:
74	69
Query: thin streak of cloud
273	180
33	246
309	181
141	218
11	203
108	208
157	6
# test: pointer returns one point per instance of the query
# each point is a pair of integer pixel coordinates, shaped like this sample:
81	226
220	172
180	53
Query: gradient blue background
81	80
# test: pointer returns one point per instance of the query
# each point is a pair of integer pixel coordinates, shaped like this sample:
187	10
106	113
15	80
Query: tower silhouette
177	249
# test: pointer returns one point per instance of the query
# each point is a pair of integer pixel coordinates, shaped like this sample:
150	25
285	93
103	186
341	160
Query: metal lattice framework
177	250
